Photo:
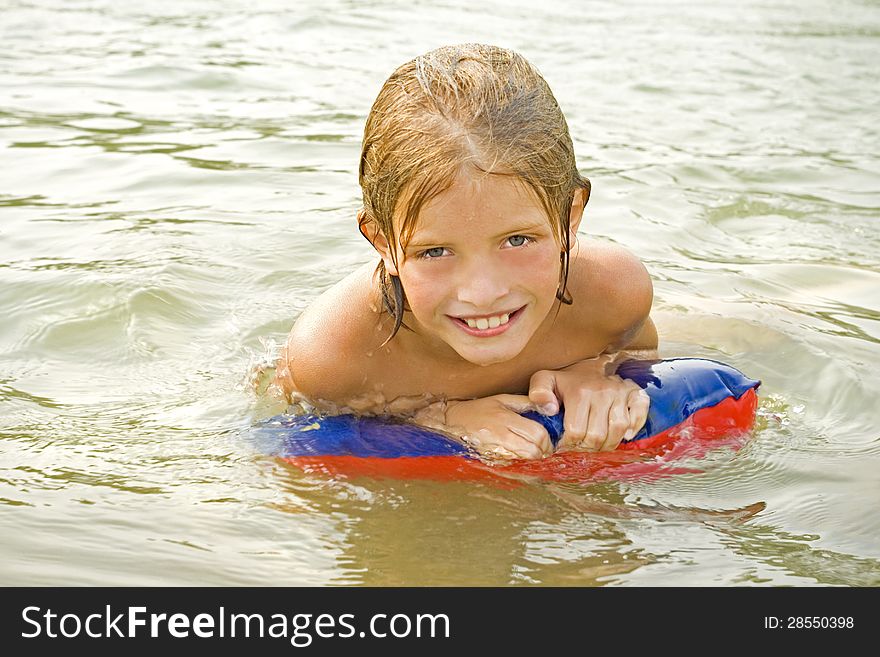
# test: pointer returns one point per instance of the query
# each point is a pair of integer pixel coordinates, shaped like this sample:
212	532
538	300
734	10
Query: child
482	304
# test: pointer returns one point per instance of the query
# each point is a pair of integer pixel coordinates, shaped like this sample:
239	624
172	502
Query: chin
488	356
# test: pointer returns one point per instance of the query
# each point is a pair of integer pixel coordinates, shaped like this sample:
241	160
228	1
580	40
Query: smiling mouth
487	325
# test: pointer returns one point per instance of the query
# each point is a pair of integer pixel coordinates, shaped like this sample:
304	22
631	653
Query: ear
374	235
576	213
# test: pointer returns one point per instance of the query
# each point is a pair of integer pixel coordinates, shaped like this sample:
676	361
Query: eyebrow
420	245
531	228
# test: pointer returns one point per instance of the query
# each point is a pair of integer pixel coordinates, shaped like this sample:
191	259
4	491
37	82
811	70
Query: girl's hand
600	410
493	426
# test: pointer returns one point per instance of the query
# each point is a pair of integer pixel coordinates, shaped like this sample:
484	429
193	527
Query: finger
575	422
597	427
504	444
638	405
521	447
516	403
533	433
618	424
542	392
499	452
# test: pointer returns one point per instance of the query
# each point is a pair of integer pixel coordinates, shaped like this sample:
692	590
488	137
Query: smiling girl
483	303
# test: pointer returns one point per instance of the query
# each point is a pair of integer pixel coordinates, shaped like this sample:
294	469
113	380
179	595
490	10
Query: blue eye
436	252
517	240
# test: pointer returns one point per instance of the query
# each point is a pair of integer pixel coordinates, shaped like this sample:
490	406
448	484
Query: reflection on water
180	182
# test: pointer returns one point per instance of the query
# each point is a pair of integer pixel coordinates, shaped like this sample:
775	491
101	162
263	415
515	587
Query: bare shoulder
327	348
611	289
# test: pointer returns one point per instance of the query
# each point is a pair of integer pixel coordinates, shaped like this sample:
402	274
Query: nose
481	284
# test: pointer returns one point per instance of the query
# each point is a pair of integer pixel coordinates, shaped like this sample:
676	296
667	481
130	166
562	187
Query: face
481	269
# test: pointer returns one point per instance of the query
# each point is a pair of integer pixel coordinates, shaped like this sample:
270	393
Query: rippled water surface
179	181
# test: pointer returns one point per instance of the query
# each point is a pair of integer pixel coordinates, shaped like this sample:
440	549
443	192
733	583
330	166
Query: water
179	182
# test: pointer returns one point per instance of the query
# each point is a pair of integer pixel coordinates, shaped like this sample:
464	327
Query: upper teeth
488	322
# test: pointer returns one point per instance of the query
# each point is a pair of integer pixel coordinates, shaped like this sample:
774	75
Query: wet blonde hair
465	106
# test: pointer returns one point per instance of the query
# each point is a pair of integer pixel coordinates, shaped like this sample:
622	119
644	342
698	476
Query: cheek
423	288
538	267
